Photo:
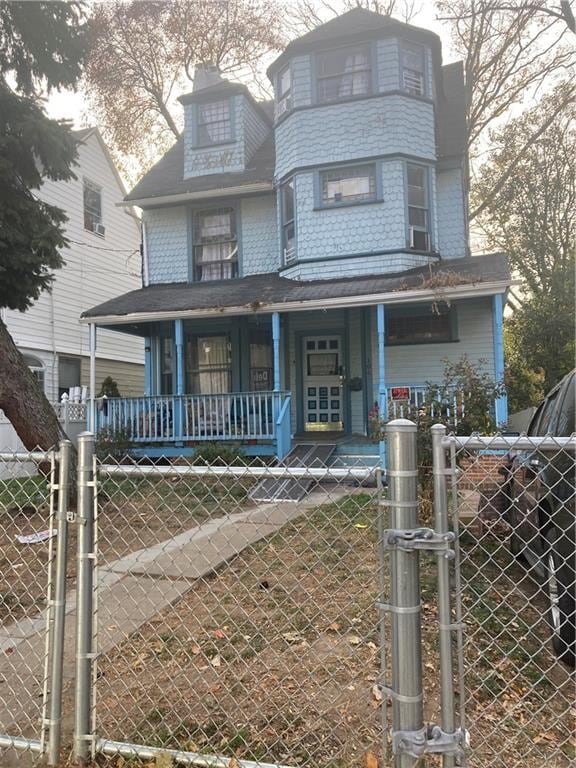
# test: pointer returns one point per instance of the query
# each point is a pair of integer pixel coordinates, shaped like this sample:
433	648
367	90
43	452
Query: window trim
285	222
320	204
193	337
428	208
405	43
86	182
193	244
196	143
316	77
419	310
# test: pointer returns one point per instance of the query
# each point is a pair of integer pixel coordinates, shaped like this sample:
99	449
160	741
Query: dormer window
215	244
343	73
413	69
284	90
214	123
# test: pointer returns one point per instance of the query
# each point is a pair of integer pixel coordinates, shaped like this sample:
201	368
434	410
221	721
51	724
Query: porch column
382	394
147	366
92	383
179	343
501	403
276	345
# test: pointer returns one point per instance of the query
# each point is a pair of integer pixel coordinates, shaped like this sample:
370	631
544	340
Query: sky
72	106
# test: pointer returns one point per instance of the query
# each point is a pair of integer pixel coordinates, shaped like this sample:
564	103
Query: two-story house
308	257
103	257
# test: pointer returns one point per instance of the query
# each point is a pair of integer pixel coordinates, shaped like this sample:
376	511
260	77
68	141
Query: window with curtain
418	207
208	364
288	231
348	185
261	365
343	73
215	245
413	69
93	208
214	123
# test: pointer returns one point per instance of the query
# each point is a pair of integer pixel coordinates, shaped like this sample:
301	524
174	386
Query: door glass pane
323	364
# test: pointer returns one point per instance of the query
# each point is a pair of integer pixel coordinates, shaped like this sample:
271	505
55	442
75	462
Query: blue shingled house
307	257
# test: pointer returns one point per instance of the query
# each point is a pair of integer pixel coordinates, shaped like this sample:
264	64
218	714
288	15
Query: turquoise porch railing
186	418
400	407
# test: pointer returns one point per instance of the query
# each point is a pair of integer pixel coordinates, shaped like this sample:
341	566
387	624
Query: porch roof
458	278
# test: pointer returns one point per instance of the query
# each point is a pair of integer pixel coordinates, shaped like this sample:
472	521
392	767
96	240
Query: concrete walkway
131	591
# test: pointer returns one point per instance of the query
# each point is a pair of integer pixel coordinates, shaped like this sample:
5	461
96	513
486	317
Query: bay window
349	184
343	73
215	244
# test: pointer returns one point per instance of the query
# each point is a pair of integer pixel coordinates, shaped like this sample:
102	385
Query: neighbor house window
214	123
418	207
284	96
413	69
208	364
350	184
420	325
68	374
36	368
343	73
215	245
288	230
93	208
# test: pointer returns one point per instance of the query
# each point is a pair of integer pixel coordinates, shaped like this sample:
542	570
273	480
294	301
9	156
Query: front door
323	383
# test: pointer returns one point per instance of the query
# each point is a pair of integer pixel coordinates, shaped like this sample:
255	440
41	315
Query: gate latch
430	740
420	538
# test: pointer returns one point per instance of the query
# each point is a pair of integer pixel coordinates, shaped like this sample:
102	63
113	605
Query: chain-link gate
512	505
33	529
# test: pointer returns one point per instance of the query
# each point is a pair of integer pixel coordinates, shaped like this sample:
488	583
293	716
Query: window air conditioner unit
419	240
289	255
100	229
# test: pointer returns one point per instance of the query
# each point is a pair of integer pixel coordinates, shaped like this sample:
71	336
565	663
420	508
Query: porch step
294	489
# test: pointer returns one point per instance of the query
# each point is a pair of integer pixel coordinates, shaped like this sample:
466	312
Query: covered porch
267	362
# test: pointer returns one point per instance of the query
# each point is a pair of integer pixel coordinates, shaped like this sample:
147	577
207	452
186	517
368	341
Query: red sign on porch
400	393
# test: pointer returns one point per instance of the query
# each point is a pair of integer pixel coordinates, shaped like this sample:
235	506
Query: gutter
182	197
472	290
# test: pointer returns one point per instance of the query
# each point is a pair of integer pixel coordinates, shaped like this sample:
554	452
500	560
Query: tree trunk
22	400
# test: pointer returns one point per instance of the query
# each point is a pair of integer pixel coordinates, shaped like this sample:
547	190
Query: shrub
109	388
113	444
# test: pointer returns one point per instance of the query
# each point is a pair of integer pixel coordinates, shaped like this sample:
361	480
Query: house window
348	185
215	245
343	73
418	207
413	69
420	325
284	91
288	229
68	374
261	366
166	366
209	364
36	368
214	123
93	208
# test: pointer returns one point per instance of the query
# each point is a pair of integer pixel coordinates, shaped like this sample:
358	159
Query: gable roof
356	24
259	292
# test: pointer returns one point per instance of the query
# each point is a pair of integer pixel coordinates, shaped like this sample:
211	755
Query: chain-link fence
27	554
513	505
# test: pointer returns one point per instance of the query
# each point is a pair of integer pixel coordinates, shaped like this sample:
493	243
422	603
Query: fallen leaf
216	661
292	637
371	760
334	627
218	633
354	640
195	649
361	526
376	692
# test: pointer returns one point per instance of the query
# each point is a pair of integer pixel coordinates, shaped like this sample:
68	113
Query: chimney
206	75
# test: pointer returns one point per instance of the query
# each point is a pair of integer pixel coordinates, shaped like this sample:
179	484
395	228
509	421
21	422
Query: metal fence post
445	625
84	591
58	605
407	707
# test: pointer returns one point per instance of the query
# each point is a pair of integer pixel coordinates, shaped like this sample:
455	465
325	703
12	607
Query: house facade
103	258
306	260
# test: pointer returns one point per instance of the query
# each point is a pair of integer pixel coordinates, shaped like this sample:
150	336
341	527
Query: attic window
413	69
214	123
93	208
344	73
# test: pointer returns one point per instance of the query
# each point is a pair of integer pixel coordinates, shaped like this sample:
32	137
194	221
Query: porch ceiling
458	278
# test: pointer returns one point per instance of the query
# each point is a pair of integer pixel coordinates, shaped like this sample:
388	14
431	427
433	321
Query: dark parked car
541	509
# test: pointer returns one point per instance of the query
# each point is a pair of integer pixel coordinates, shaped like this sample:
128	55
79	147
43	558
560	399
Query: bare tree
308	14
511	51
143	54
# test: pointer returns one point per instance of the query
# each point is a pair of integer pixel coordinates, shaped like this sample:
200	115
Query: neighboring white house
102	261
